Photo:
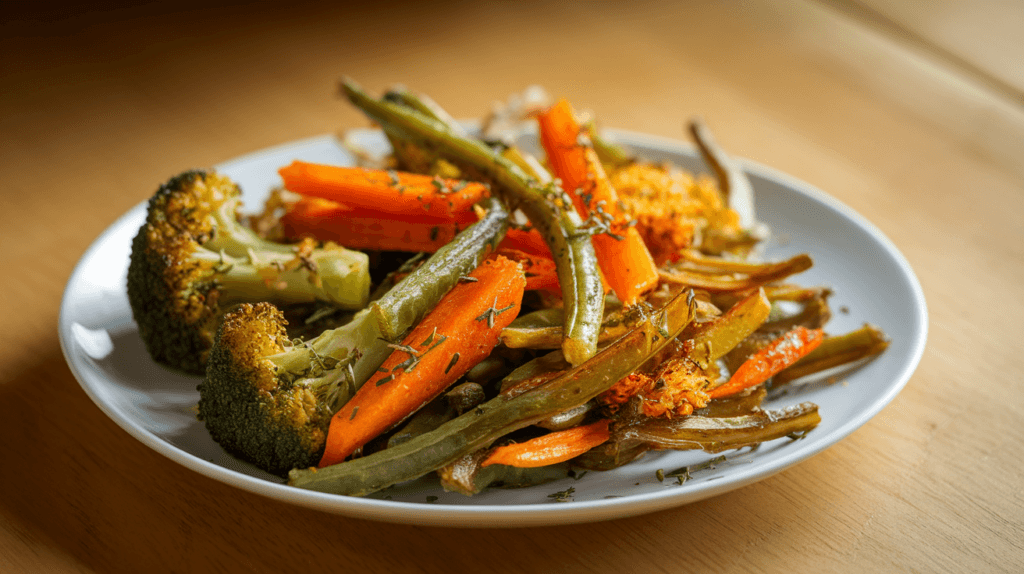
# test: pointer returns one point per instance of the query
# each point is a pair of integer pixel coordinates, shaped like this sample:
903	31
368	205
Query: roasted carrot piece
529	241
456	335
386	191
764	364
552	448
356	229
539	270
625	260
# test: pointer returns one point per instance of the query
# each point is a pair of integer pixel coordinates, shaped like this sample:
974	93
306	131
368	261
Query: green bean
549	209
766	273
719	434
424	105
700	433
496	418
467	475
407	303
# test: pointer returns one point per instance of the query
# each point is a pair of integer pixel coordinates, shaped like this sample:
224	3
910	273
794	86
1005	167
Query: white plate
869	275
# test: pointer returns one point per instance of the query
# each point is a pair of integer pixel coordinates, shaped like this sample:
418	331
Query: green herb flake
493	312
564	495
451	364
576	475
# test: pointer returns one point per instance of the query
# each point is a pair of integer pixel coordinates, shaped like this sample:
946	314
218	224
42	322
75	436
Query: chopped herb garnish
683	474
355	410
493	312
563	496
455	359
576	475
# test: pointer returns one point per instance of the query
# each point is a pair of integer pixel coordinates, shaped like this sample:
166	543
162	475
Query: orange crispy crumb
671	207
677	388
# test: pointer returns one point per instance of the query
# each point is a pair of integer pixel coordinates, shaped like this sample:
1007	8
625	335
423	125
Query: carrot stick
625	260
386	191
552	448
529	241
456	335
356	229
764	364
539	270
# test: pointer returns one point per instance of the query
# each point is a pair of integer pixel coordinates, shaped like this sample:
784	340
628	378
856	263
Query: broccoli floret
192	260
268	400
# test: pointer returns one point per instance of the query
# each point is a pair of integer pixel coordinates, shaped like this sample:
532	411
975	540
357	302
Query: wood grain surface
99	105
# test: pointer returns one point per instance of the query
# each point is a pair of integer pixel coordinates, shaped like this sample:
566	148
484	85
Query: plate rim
525	514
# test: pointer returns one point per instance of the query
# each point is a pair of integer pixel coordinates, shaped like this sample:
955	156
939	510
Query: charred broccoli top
268	400
192	260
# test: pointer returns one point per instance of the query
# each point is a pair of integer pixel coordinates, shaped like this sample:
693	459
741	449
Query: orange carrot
552	448
386	191
529	241
355	229
767	362
625	260
456	335
539	270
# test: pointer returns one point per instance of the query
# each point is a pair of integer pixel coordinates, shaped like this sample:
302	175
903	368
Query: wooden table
98	106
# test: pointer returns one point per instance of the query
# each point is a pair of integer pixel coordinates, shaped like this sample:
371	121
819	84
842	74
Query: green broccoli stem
339	361
339	276
233	238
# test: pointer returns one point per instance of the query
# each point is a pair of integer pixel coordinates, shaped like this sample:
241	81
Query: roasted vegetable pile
469	309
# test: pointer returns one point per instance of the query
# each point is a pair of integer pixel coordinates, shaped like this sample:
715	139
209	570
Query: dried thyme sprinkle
455	359
576	475
431	499
433	232
683	474
493	312
430	338
355	410
386	380
563	496
467	279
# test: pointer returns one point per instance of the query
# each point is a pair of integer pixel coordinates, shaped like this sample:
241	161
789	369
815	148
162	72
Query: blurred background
911	113
955	65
